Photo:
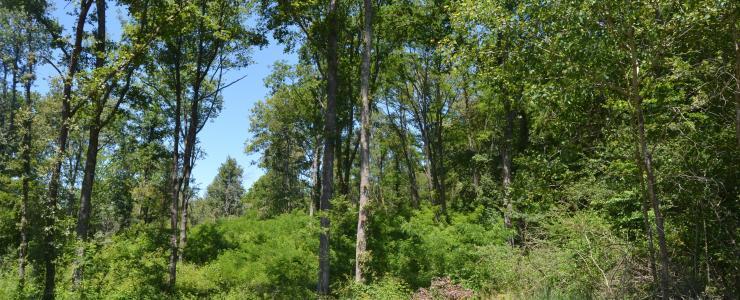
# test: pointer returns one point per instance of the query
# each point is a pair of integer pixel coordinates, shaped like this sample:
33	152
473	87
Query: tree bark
55	178
361	256
330	115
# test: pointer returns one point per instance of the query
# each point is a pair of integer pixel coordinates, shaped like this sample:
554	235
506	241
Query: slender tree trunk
83	216
330	116
410	166
315	179
58	157
472	146
361	256
91	158
175	172
506	164
736	43
345	167
2	104
14	96
27	173
645	216
183	224
648	168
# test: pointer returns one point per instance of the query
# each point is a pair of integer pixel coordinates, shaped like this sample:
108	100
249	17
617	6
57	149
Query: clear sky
224	135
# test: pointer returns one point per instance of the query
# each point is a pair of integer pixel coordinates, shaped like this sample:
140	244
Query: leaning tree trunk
361	246
327	171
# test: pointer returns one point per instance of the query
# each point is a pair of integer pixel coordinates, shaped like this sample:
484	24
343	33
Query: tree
112	79
226	191
206	40
361	256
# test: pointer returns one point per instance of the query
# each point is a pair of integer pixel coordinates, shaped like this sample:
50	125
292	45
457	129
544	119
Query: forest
417	149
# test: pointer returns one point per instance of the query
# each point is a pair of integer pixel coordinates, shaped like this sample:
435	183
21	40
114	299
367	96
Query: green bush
252	258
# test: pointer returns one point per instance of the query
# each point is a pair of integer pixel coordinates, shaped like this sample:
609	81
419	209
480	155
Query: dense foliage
445	149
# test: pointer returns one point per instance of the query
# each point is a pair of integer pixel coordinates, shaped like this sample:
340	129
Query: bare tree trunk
361	256
55	178
648	168
330	116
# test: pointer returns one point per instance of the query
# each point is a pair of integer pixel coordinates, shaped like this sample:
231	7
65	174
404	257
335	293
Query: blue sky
224	135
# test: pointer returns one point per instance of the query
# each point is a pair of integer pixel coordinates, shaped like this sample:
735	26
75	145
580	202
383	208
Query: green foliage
249	258
127	266
385	288
224	194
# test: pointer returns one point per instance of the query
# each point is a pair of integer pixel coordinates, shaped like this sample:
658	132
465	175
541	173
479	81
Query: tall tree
61	143
330	117
361	255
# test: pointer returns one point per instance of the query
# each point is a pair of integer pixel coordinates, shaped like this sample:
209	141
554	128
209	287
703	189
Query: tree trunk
361	256
410	168
645	217
736	43
175	172
2	105
183	224
27	174
315	179
91	158
506	164
330	115
83	216
13	97
346	160
58	157
648	168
